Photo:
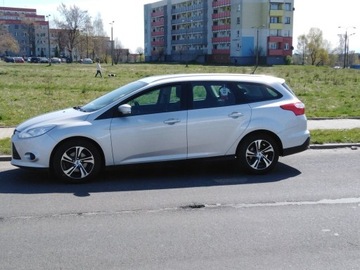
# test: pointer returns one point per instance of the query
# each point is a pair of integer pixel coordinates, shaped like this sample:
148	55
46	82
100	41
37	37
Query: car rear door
217	118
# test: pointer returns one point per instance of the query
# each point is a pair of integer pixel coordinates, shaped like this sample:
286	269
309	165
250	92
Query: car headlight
35	132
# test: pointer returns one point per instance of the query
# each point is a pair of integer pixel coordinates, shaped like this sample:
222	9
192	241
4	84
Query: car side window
252	92
161	99
212	94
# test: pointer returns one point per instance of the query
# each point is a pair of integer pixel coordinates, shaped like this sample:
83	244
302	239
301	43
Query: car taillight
297	108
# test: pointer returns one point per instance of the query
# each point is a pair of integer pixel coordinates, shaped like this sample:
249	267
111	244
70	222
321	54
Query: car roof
254	78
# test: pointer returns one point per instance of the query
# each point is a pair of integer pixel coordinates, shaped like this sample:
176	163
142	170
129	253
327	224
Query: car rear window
288	88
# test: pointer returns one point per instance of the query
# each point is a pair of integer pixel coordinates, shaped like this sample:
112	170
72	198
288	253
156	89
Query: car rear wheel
258	154
76	161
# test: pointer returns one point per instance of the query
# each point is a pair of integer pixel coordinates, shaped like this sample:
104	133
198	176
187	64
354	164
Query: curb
353	146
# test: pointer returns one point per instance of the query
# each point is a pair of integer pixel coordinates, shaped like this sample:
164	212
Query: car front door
155	130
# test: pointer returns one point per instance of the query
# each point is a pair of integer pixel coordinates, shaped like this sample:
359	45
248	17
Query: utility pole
49	47
346	44
112	44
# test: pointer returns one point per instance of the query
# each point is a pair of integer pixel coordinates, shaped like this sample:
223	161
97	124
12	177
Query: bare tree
140	52
98	26
8	43
74	20
302	47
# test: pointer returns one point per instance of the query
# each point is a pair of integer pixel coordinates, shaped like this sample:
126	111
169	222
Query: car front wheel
258	154
76	161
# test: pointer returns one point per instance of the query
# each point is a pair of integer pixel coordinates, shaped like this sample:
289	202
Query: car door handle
235	115
171	121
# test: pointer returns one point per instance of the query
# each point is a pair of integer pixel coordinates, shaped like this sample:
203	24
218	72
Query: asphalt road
305	215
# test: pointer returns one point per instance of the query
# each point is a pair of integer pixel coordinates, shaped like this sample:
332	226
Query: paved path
312	124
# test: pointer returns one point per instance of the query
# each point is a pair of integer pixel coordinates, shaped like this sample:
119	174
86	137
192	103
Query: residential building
243	32
29	29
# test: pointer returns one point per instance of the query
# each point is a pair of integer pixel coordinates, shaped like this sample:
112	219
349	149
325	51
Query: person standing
98	69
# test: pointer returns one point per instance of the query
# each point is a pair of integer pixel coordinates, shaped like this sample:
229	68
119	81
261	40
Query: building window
273	46
288	6
238	21
287	20
275	6
275	19
275	32
286	46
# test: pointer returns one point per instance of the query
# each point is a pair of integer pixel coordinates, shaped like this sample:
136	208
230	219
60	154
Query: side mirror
124	109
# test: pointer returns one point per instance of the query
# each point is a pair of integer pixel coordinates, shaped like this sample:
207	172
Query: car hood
53	118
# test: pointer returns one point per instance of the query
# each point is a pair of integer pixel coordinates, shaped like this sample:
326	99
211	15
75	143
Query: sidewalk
312	124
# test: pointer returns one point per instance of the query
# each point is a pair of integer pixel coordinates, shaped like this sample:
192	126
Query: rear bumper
297	149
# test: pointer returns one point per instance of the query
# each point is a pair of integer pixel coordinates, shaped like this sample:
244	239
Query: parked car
55	60
9	59
251	118
19	60
43	60
87	61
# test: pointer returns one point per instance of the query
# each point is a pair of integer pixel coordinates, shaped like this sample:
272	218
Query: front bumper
32	152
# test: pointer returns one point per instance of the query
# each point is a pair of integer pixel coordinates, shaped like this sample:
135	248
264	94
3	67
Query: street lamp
49	49
346	44
257	42
112	44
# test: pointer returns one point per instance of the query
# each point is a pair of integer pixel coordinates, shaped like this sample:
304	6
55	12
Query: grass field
28	89
31	89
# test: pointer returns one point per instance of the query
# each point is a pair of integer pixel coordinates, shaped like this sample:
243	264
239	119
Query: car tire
258	154
76	161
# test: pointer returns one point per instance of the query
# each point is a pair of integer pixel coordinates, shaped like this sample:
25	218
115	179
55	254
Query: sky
332	18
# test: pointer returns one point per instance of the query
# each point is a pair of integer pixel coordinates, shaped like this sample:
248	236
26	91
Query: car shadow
143	177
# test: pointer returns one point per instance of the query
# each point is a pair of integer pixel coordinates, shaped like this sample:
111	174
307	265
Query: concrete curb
353	146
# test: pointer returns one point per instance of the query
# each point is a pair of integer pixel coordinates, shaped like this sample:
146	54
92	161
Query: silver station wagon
252	118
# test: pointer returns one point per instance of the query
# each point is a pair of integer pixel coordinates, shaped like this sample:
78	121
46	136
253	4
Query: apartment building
29	29
243	32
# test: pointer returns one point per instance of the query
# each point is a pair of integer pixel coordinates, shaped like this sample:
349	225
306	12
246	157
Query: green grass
5	146
31	89
335	136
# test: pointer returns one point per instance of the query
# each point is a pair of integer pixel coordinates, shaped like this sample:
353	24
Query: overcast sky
128	19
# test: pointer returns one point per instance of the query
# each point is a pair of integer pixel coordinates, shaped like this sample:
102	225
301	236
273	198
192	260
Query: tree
140	52
8	43
312	47
302	47
316	45
74	20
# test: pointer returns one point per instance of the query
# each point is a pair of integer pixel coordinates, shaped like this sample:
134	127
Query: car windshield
112	96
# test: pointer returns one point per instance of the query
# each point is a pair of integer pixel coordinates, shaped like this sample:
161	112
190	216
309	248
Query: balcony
221	39
225	14
275	39
221	51
220	3
221	27
158	23
157	43
277	13
276	26
157	13
275	52
157	33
